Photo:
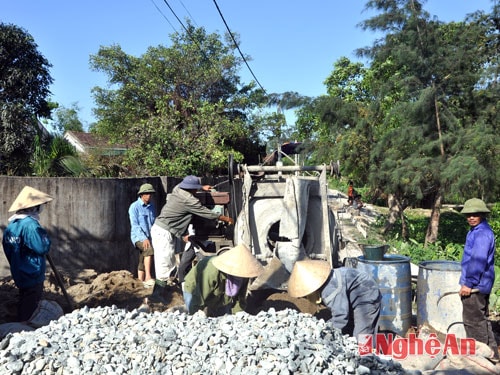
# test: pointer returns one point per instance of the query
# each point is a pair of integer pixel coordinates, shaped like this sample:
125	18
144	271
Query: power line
178	19
196	42
238	47
189	33
159	10
189	14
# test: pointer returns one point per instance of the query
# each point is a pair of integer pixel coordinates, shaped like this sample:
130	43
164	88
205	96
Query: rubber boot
159	292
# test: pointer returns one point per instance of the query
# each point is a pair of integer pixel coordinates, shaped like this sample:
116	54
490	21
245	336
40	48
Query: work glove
226	219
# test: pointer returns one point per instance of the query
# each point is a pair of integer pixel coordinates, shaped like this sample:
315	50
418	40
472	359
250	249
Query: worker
351	295
172	223
478	274
219	283
25	243
350	193
142	214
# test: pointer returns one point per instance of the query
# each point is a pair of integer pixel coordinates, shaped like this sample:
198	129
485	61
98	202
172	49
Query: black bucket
374	252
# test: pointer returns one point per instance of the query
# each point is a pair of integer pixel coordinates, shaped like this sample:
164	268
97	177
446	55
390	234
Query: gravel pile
108	340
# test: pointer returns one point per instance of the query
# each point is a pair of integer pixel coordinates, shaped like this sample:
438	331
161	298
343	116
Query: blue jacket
142	217
478	269
25	244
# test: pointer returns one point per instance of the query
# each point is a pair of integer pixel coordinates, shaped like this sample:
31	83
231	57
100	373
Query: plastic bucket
374	252
393	276
438	302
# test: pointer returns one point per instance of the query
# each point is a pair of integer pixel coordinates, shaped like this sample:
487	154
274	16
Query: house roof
85	142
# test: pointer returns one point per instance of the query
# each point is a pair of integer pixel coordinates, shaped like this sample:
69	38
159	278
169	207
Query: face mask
233	285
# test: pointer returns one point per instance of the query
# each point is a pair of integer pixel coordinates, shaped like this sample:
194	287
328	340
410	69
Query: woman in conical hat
352	296
219	283
25	244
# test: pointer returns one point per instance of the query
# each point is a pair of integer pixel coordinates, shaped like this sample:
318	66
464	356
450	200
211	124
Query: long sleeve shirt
177	213
208	288
478	260
142	217
25	244
345	290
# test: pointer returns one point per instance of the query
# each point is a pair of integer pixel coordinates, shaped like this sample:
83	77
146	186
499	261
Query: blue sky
293	44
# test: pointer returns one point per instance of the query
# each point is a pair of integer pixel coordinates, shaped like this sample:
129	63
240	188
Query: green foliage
47	159
495	291
180	109
420	122
74	166
24	89
453	230
66	119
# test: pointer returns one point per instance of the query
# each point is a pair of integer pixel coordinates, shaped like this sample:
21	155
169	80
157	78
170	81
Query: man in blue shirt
478	274
142	214
25	244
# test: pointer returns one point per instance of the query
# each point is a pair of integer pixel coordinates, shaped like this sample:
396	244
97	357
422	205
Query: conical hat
238	261
29	197
307	277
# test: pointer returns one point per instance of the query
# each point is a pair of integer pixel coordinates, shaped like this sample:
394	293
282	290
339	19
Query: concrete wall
87	221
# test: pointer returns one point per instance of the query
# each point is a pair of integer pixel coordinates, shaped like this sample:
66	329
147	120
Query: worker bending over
219	283
351	295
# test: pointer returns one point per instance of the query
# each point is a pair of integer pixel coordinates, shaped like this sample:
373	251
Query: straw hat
307	277
238	261
29	197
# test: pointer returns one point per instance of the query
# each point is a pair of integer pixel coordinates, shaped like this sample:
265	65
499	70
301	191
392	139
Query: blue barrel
393	275
438	302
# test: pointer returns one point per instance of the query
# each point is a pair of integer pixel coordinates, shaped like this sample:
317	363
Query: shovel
59	281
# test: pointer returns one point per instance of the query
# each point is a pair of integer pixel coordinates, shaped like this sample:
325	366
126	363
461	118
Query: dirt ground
120	288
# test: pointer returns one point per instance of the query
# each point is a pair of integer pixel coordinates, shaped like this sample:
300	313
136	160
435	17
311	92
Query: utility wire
238	47
178	19
188	33
186	9
159	10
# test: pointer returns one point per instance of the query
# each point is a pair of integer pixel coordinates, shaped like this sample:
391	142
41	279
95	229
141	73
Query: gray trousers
365	319
475	317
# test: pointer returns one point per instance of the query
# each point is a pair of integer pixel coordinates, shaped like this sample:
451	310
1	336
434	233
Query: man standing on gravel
173	222
142	215
478	274
25	244
352	296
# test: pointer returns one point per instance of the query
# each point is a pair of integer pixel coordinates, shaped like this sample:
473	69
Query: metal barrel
438	302
393	276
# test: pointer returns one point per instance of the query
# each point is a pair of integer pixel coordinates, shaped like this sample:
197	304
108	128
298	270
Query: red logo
401	347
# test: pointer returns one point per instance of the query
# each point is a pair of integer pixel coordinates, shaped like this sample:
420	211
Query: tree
48	160
181	109
24	89
431	71
336	124
66	119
